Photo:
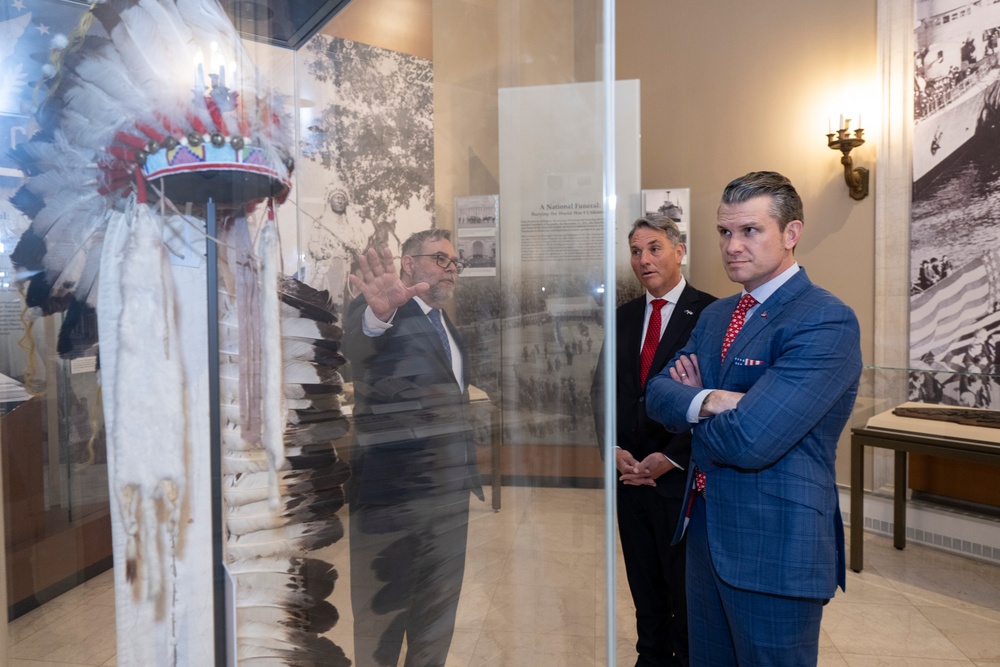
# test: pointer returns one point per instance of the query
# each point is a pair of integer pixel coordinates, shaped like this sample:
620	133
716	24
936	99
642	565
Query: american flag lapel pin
764	314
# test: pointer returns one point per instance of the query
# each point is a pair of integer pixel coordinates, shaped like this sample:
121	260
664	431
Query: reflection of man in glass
413	459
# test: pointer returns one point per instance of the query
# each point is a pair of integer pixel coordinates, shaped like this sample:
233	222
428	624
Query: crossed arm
819	359
685	371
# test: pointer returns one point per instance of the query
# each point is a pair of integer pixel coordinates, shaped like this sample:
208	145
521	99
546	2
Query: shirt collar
772	285
672	296
423	305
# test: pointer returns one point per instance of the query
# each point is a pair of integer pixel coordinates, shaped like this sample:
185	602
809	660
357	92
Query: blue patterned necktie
435	317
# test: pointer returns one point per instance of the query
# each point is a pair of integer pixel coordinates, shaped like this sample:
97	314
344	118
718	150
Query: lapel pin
689	312
764	314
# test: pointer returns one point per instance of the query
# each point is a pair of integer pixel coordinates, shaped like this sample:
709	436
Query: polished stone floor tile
977	635
889	661
886	630
534	595
499	648
830	657
40	663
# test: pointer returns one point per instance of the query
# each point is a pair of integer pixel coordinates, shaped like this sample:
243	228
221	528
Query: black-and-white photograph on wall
955	224
675	203
368	146
476	220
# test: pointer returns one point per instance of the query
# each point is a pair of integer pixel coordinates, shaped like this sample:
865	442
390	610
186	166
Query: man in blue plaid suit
768	398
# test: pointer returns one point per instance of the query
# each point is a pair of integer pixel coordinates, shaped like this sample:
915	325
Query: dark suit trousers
655	570
407	564
731	626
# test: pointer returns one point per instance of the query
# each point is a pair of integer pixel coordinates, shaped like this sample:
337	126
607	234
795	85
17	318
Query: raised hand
378	280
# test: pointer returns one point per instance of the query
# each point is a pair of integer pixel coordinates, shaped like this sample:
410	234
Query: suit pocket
742	378
795	489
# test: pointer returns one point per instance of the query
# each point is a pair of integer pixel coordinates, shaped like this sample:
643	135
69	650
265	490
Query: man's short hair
415	243
659	222
786	205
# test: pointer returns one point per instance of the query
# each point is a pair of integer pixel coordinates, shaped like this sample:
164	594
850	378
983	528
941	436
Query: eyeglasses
444	261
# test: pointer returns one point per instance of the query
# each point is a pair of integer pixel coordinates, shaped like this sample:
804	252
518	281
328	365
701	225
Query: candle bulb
199	79
829	125
841	126
222	76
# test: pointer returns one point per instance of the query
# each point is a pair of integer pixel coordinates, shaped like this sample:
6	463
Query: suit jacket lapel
717	333
680	321
633	340
428	335
766	313
754	325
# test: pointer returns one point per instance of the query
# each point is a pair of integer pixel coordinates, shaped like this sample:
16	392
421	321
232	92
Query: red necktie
735	324
739	315
651	341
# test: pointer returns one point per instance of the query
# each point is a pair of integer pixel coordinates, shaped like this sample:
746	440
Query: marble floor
533	595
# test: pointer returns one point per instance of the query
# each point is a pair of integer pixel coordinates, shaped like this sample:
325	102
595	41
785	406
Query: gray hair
415	243
659	222
786	205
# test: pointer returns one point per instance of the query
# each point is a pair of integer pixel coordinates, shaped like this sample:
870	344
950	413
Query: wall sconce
856	177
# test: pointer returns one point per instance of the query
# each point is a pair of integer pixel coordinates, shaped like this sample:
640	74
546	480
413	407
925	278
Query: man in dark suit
413	459
651	461
768	382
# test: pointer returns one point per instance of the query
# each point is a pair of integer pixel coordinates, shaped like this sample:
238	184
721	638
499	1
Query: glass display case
196	421
948	403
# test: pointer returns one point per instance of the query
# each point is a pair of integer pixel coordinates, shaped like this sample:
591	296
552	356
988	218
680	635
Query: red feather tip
131	140
169	126
151	132
196	123
123	154
213	110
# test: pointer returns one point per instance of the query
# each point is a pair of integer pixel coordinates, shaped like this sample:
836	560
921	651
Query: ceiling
285	23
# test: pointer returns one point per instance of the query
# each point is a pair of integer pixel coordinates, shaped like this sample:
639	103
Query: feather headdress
280	506
140	94
157	101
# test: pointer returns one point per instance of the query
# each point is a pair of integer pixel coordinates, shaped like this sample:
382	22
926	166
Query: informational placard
552	146
554	159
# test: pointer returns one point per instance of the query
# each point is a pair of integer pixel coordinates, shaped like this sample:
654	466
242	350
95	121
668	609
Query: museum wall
729	88
726	88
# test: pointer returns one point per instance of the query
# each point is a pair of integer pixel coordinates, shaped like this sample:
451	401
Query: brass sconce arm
856	177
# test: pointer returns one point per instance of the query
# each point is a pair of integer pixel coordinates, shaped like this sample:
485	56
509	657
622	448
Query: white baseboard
955	530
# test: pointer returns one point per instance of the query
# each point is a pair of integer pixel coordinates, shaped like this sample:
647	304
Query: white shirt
761	294
666	311
671	298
